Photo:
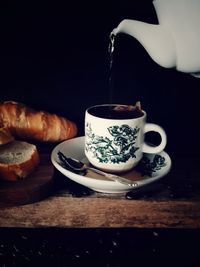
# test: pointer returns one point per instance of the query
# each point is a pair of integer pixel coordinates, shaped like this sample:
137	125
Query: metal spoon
77	165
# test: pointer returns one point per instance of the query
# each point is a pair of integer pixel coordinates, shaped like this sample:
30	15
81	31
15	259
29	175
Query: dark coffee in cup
116	112
115	136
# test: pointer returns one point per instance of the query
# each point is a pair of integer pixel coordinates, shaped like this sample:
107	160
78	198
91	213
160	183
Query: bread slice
17	160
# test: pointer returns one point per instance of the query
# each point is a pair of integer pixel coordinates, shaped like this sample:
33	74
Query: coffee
115	136
111	57
117	112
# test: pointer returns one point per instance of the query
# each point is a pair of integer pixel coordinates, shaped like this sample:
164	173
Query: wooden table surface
172	202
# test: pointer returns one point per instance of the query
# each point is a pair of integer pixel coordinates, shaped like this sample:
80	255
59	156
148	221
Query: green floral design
118	148
147	167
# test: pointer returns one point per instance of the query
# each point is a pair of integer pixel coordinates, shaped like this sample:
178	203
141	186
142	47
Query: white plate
151	168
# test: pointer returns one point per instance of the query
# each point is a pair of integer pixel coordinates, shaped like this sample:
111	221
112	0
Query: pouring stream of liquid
111	56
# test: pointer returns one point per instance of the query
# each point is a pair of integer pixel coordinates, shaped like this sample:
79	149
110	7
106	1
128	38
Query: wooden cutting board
35	187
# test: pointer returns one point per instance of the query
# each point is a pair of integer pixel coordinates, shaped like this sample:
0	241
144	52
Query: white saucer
152	168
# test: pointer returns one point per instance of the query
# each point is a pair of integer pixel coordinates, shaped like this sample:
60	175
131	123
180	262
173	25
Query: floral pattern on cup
120	147
147	167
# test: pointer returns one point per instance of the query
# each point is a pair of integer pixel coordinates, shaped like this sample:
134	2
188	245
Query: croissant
5	136
26	123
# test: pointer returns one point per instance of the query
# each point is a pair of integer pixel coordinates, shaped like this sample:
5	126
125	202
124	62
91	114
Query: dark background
54	56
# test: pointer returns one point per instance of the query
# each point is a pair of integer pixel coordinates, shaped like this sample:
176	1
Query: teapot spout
156	39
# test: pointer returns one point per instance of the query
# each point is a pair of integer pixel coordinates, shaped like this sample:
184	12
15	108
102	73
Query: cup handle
151	127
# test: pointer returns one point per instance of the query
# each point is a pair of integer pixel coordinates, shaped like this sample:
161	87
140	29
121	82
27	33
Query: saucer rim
113	187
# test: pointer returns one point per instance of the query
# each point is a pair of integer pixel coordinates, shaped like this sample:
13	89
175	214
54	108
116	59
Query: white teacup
114	140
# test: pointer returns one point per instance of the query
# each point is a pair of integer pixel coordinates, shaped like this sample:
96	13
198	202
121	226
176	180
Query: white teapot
175	41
